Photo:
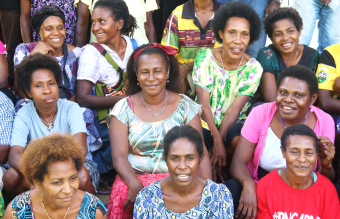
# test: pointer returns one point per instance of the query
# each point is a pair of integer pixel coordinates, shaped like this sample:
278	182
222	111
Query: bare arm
8	212
25	19
232	113
327	103
150	28
82	24
84	99
219	153
99	214
4	149
239	171
3	71
81	137
205	166
15	154
120	151
268	87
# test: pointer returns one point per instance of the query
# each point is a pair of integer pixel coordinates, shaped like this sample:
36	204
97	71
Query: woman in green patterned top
226	78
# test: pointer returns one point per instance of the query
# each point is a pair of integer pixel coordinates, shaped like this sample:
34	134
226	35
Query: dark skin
204	9
271	7
81	26
3	71
44	92
150	28
181	195
61	182
102	23
284	31
234	36
292	93
152	76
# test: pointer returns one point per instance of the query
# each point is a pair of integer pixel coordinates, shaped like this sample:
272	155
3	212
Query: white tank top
271	157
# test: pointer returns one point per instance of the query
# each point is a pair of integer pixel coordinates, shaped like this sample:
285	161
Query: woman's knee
13	179
85	182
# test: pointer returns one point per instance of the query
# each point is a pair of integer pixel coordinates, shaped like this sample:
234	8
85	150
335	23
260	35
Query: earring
167	80
137	82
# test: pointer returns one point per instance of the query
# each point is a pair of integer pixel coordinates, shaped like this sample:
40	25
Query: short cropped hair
302	73
236	9
119	10
299	129
174	84
185	131
32	63
40	153
280	14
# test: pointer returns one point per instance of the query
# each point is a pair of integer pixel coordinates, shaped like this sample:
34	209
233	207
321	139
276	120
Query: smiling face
104	27
300	155
52	31
60	184
235	37
152	74
183	162
44	89
293	99
285	36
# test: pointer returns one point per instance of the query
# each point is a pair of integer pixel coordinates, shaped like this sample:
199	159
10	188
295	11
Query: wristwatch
278	1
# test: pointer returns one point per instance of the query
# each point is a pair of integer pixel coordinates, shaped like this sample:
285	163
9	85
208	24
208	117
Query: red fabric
168	50
277	200
119	193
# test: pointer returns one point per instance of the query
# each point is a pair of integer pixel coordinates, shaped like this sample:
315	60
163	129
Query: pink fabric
119	194
131	104
257	123
2	48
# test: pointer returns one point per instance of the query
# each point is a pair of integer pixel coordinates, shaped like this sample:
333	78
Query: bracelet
186	66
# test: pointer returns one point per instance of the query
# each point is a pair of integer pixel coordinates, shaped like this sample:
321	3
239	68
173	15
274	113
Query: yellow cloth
137	8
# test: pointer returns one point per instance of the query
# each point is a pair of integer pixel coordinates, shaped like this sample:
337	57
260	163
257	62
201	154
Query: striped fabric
184	32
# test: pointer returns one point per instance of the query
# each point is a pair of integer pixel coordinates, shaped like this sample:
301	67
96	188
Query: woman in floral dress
226	78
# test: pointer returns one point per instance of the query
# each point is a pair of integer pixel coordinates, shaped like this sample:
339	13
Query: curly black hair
119	10
29	65
40	153
184	131
237	9
299	129
280	14
302	73
174	84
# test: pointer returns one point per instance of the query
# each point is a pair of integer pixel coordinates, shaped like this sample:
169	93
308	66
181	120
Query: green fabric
223	86
2	205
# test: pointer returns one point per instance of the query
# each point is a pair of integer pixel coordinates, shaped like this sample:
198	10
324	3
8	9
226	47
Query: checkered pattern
7	114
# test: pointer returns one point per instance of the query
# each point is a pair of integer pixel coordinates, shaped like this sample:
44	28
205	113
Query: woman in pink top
297	92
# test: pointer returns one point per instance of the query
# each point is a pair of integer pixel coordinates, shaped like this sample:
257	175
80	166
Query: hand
336	85
132	194
218	158
326	2
271	7
43	48
247	207
326	151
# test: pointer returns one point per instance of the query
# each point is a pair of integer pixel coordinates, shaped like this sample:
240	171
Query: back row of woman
139	87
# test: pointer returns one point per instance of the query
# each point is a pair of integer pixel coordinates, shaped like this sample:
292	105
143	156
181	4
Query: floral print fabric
146	138
67	6
216	202
223	86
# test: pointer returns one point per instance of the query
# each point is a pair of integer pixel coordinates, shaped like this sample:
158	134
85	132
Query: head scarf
44	12
166	49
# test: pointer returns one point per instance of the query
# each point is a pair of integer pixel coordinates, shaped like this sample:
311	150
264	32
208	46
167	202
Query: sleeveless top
22	207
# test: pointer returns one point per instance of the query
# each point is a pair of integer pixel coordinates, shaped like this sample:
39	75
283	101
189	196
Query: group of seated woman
123	103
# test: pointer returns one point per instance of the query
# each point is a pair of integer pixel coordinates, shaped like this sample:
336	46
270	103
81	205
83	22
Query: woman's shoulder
24	199
64	104
25	110
189	104
89	50
321	115
154	188
75	50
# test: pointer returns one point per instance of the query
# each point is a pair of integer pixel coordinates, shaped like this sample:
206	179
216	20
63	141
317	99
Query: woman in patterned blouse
184	194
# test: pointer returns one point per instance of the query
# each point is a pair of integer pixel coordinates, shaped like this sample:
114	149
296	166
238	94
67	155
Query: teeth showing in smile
236	50
56	40
287	108
182	176
99	34
287	45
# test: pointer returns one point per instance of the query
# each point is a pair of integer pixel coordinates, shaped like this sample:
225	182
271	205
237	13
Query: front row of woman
51	163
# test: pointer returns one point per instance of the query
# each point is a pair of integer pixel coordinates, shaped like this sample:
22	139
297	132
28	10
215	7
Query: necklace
42	202
155	114
302	122
223	63
50	124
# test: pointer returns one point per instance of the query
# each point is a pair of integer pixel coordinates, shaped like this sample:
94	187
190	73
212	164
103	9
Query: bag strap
65	78
131	104
134	43
108	57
